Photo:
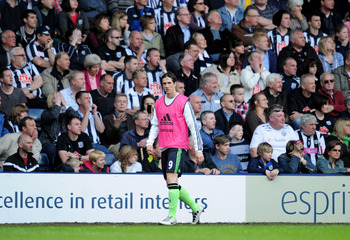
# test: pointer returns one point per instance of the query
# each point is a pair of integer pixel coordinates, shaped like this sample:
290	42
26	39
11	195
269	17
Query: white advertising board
115	198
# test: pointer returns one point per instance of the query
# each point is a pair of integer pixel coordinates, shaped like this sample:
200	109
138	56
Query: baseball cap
43	29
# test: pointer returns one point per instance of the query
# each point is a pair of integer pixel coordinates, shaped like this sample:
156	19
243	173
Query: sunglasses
328	81
336	150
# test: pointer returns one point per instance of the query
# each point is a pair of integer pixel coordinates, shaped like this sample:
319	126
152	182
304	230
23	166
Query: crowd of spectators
268	82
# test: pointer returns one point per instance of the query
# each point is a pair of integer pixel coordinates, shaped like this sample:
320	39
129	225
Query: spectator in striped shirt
279	37
155	69
314	33
41	52
136	93
137	48
27	77
123	79
165	16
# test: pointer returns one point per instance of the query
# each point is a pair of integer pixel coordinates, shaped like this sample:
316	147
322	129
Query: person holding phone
116	124
147	105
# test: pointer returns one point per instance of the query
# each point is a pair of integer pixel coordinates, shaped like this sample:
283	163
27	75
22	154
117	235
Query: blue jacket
338	61
132	138
3	130
324	166
293	164
256	166
208	145
135	14
226	17
93	7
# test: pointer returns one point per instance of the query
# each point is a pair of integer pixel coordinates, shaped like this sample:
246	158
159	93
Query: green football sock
185	197
173	199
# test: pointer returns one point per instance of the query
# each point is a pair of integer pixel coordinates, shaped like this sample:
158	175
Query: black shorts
172	161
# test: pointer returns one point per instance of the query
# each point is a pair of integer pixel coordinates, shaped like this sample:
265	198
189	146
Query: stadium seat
44	164
36	114
110	159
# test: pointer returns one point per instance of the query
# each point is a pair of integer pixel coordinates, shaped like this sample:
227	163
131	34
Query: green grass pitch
200	232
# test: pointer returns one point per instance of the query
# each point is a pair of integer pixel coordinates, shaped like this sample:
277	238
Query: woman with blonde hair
120	22
127	161
96	163
330	59
204	58
341	132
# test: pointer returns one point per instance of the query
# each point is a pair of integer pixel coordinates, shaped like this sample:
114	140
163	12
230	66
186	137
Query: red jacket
87	80
337	102
87	167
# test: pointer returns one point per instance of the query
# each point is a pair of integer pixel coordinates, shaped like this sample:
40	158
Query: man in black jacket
329	18
274	93
217	40
301	52
175	38
226	114
300	101
23	160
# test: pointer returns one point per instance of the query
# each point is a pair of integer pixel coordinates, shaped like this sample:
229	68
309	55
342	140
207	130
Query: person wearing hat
279	37
41	52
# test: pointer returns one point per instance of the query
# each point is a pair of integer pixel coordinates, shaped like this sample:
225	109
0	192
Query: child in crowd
238	144
225	161
96	163
127	161
74	164
237	91
342	43
313	70
264	163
